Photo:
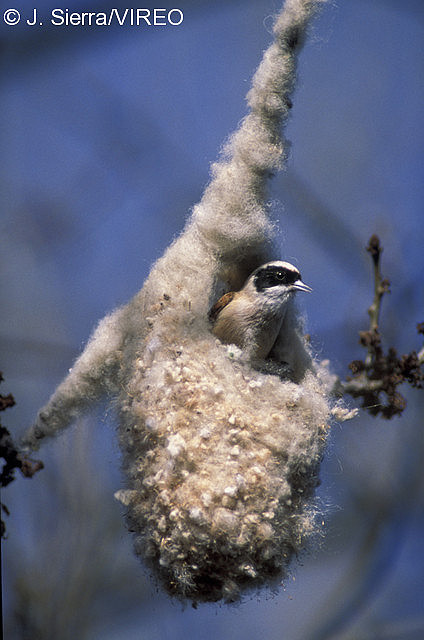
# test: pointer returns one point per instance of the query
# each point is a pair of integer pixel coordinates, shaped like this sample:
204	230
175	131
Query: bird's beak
300	286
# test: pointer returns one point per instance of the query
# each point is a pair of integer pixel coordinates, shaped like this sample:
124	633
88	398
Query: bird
262	313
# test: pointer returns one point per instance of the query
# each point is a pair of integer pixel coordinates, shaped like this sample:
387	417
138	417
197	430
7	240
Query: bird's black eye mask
273	276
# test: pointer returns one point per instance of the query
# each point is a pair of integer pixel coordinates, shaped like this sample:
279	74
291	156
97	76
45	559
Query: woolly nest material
221	460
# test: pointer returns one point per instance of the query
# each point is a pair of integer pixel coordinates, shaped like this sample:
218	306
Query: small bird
253	317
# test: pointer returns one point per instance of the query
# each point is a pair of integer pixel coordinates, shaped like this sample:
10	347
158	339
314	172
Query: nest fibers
220	459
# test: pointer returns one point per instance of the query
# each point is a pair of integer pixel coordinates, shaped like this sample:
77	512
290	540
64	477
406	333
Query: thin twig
380	286
376	378
13	458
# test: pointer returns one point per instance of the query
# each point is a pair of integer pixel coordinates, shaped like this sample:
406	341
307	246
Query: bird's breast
248	327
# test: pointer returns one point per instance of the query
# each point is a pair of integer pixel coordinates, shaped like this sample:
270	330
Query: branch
381	287
376	378
13	459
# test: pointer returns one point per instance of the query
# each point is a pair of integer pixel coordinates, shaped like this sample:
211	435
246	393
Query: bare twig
376	378
13	459
380	288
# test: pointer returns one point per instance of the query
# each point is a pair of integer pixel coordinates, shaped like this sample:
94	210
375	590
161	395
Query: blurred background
107	137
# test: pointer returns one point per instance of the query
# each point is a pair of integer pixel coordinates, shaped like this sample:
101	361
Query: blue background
107	137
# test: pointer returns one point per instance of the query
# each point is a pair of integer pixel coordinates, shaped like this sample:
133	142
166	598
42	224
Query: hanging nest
221	459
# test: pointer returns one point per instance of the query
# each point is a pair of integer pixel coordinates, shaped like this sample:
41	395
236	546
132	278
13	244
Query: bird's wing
219	305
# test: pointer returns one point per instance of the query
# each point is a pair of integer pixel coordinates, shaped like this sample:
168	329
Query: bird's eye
283	277
270	276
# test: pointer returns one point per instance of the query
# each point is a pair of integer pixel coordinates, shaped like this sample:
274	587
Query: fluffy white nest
221	460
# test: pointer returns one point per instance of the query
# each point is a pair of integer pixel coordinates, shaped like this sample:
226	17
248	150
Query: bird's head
277	280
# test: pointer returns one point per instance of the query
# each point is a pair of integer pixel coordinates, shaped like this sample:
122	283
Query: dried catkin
221	460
